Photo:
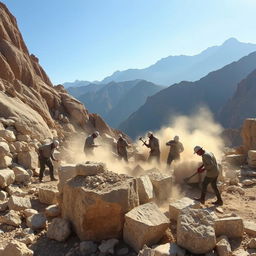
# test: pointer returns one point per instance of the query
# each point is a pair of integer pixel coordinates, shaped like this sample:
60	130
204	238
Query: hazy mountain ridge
242	105
115	101
174	69
212	91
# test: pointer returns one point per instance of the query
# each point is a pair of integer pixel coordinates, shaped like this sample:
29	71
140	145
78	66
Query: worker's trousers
45	162
213	182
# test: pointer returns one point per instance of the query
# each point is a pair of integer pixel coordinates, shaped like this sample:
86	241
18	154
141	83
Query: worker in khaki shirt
45	153
176	148
209	165
122	146
153	144
89	144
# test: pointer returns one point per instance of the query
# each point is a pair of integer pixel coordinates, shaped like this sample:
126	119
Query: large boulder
65	173
5	161
7	177
59	230
4	149
21	175
176	207
16	248
18	203
36	221
252	158
28	160
236	159
145	188
162	184
250	228
100	204
195	231
144	224
48	194
249	134
232	227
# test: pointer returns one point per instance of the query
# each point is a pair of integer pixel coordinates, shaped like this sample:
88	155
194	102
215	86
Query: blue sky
90	39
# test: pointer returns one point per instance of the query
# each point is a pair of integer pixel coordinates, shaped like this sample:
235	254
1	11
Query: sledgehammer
188	178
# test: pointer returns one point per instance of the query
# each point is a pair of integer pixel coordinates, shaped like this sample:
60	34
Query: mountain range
115	102
212	91
242	105
174	69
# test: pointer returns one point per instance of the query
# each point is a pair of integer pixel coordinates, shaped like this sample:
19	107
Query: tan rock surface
144	224
103	200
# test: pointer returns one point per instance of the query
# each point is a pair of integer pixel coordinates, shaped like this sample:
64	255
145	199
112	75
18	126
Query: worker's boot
219	200
200	199
53	179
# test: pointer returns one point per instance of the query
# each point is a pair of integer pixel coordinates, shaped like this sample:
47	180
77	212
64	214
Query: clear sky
90	39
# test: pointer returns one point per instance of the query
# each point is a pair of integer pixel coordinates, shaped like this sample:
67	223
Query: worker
46	156
153	144
90	144
176	148
212	172
122	146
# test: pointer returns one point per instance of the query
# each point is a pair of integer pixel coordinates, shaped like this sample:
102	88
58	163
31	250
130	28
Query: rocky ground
239	200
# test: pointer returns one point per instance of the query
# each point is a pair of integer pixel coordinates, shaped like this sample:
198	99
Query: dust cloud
198	129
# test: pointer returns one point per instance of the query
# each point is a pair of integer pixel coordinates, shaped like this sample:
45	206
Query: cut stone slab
65	173
59	230
144	224
223	246
176	207
195	230
90	169
162	184
99	211
15	248
36	221
232	227
52	211
7	177
169	249
19	203
250	228
11	218
145	188
236	160
48	195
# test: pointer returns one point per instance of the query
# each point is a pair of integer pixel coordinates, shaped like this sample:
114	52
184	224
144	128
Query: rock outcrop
101	203
31	108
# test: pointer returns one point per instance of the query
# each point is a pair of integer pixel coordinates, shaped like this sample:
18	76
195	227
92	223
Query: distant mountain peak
231	40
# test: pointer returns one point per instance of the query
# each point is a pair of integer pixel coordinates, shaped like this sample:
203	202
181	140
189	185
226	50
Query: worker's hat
197	148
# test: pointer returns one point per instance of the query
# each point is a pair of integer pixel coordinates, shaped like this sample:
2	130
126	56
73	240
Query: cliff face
27	95
242	105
